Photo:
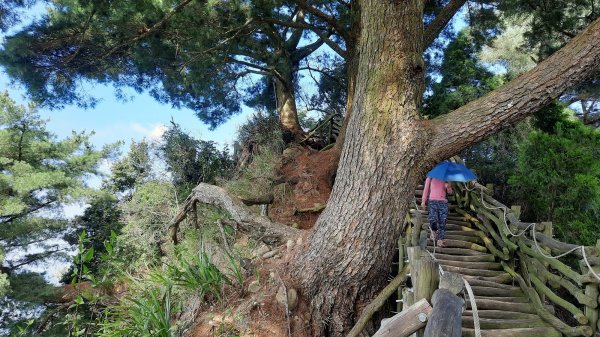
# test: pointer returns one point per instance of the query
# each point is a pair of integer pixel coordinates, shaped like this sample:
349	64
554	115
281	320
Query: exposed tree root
256	225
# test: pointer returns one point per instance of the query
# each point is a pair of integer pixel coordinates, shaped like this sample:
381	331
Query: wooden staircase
504	309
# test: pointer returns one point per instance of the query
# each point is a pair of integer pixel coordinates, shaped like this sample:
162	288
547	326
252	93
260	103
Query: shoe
441	243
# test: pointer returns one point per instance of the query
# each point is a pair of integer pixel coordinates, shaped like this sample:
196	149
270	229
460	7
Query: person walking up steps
434	196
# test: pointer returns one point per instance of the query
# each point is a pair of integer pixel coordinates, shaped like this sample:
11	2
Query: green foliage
558	179
463	78
200	55
100	221
38	172
151	302
192	161
257	178
495	158
146	216
131	170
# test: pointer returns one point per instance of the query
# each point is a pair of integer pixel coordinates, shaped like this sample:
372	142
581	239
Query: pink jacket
435	189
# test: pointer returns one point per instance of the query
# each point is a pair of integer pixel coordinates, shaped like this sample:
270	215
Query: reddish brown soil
310	174
257	314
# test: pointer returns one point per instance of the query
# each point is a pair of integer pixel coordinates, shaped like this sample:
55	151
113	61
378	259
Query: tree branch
319	31
434	28
329	19
519	98
294	39
303	52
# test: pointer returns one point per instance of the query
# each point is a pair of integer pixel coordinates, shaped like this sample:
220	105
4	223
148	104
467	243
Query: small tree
558	179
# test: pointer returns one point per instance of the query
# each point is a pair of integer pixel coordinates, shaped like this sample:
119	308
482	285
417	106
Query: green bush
558	179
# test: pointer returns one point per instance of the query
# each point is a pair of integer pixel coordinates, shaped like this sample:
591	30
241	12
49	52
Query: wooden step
491	291
485	304
519	332
493	323
456	251
478	282
504	278
469	264
472	239
464	244
461	232
499	314
465	258
518	299
473	272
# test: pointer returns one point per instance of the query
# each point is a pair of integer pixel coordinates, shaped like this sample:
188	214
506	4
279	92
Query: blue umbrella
449	171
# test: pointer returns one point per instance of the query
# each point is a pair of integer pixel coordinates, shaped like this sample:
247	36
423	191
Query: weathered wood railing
542	276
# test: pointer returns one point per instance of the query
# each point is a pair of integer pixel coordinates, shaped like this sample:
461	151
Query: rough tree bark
350	249
286	107
388	148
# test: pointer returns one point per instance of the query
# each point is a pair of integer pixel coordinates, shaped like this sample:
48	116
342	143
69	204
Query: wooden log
501	226
521	299
491	291
559	266
485	227
474	272
417	221
574	290
399	304
423	237
520	332
493	323
544	313
539	285
471	265
591	290
478	282
485	304
500	314
378	302
472	239
504	278
424	273
407	322
516	210
408	298
466	258
456	251
445	318
465	244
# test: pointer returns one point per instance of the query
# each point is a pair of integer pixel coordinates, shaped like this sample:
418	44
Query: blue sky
114	120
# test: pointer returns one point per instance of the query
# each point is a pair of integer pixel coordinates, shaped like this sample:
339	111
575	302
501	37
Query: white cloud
152	131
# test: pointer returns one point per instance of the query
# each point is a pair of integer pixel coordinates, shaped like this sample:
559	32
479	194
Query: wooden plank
406	322
520	332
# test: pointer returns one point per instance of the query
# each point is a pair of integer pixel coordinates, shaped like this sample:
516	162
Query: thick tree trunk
286	107
387	150
349	253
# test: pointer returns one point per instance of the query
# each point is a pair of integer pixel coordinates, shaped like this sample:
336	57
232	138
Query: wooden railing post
591	290
416	229
401	255
424	274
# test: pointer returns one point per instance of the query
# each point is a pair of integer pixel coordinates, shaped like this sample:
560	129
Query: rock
269	254
254	286
299	241
261	250
292	297
289	245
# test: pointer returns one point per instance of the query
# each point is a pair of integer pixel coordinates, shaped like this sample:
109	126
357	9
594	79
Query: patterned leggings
438	214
